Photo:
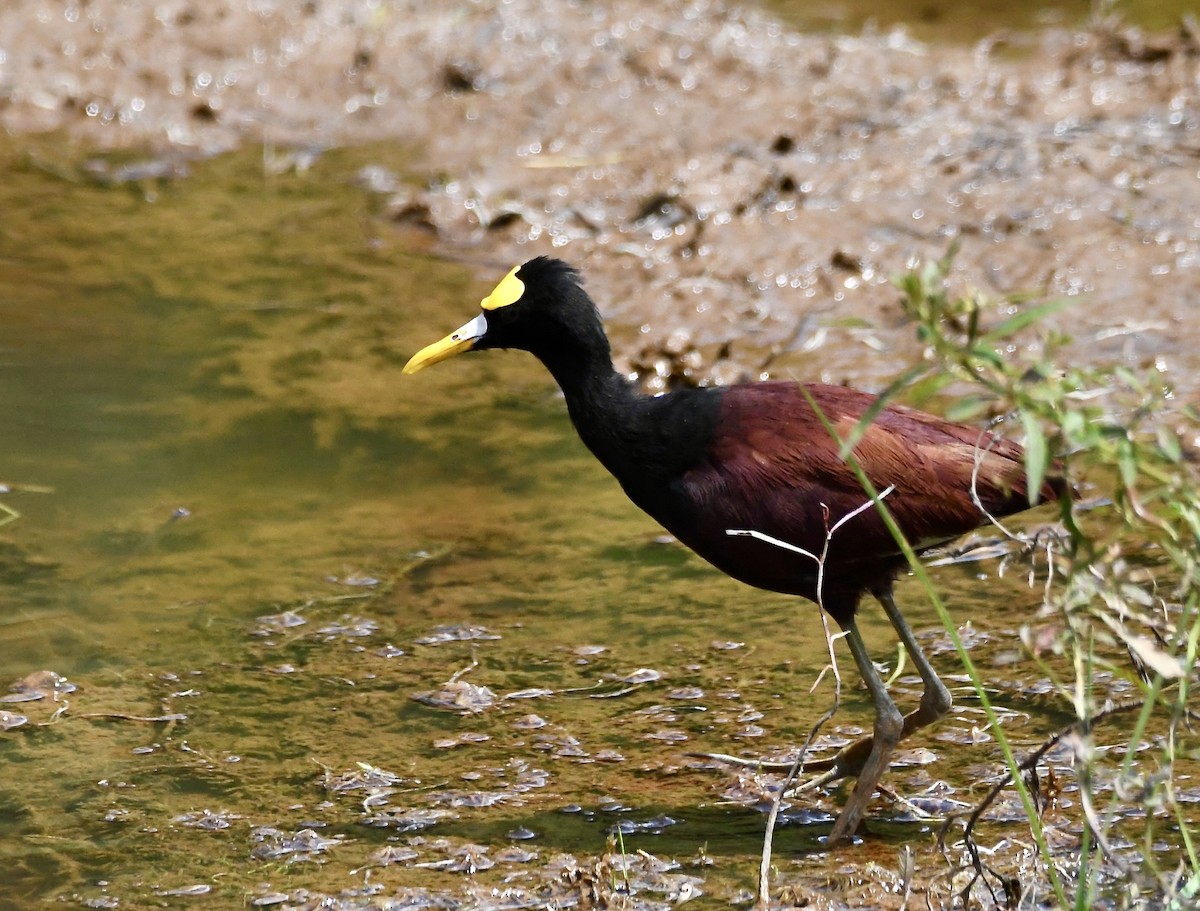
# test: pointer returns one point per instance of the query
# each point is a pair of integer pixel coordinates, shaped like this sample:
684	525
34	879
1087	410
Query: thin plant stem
922	576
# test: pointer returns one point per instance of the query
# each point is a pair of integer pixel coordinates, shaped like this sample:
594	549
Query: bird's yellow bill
458	341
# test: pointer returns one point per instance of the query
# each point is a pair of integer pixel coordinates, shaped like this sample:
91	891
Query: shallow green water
206	426
972	20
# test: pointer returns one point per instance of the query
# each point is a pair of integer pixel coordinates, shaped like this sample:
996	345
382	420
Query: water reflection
298	612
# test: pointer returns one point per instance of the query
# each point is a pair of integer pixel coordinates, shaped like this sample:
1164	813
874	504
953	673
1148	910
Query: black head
539	307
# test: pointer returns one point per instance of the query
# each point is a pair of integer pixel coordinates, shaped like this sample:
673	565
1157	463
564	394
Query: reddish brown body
772	466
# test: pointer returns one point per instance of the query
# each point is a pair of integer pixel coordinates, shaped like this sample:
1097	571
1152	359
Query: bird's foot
743	762
847	763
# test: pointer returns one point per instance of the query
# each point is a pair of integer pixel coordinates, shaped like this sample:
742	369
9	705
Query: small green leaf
1027	316
987	356
1127	462
968	407
1035	455
1169	443
1192	518
1073	427
1130	379
924	389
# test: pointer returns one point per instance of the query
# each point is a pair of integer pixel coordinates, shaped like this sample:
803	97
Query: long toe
847	763
882	745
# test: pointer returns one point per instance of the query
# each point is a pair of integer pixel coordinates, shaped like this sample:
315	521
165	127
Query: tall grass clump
1112	798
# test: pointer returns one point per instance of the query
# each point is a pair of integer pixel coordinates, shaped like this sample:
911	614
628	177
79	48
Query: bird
759	458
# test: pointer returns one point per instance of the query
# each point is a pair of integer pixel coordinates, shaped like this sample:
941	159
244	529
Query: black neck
644	441
608	411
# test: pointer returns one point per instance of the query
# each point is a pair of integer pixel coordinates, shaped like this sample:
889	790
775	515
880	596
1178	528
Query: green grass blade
1036	455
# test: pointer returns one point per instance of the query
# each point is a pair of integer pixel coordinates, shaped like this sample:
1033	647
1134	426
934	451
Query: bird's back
770	465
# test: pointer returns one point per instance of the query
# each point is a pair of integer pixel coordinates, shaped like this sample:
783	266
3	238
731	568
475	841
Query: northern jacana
757	457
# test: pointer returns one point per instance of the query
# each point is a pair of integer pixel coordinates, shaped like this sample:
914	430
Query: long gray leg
889	728
936	699
935	702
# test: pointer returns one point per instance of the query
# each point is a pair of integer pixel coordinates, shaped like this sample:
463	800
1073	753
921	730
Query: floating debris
655	826
207	819
271	898
410	819
907	759
973	550
449	743
457	633
514	854
394	854
530	722
354	580
458	696
668	735
474	799
533	692
530	779
466	859
378	784
305	844
281	621
103	901
562	746
349	627
373	776
39	685
10	720
198	889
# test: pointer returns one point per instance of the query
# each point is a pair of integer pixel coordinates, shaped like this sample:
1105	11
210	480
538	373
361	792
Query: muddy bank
739	194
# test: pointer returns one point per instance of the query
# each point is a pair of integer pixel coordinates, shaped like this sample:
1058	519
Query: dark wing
777	466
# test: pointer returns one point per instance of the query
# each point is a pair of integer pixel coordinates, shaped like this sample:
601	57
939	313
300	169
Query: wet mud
739	194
